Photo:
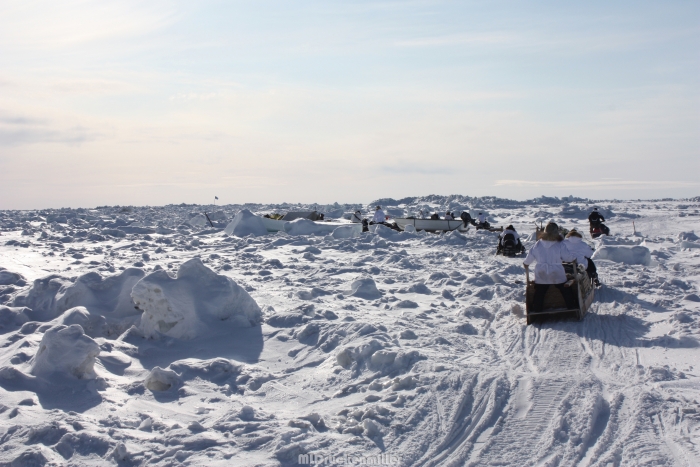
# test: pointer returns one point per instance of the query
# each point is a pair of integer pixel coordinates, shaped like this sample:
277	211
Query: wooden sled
554	303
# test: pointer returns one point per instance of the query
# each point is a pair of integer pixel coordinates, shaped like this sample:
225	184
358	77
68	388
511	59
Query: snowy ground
406	349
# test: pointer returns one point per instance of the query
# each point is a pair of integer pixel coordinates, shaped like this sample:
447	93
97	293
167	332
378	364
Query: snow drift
347	231
246	223
365	287
66	350
632	255
52	295
308	227
196	300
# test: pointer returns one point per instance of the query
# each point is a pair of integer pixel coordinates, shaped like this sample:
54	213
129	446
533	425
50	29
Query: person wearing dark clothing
466	218
435	217
541	292
595	218
596	221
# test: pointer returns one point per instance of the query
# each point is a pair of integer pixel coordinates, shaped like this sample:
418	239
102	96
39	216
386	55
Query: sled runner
554	303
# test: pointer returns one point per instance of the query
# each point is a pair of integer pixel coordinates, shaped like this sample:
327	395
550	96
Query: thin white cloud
37	24
607	183
194	96
460	39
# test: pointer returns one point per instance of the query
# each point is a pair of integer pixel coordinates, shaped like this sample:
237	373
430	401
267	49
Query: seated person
510	230
435	216
449	216
548	253
356	217
595	218
379	216
481	221
576	246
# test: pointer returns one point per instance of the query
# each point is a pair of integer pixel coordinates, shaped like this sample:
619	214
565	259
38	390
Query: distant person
365	225
466	218
481	222
510	230
548	253
421	214
435	217
357	217
379	216
595	218
449	216
576	246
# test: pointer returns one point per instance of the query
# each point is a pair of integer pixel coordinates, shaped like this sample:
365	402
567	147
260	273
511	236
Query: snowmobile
554	303
599	229
509	246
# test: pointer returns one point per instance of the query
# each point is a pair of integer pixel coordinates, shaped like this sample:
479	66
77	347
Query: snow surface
145	336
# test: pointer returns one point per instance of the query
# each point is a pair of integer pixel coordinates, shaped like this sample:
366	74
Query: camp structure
432	225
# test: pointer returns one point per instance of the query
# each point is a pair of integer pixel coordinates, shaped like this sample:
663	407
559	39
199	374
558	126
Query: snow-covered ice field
143	336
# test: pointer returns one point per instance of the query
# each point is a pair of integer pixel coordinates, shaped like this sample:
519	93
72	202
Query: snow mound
419	288
365	287
105	296
198	220
347	231
309	227
217	216
452	238
475	311
689	236
66	350
246	223
11	318
196	300
383	231
41	297
624	254
93	325
161	380
689	244
11	278
50	296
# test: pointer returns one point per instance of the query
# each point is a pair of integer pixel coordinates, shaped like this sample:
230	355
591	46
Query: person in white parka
575	244
548	253
379	216
357	217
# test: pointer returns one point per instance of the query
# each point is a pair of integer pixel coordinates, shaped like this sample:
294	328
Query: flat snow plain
404	349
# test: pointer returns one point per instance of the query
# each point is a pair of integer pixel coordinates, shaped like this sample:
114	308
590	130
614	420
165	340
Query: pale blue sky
132	102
